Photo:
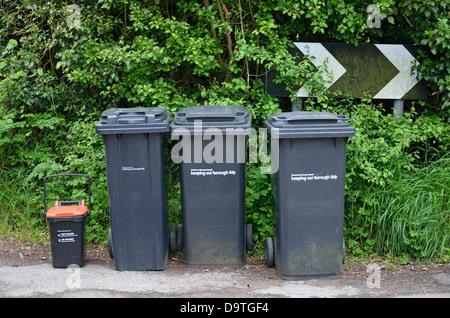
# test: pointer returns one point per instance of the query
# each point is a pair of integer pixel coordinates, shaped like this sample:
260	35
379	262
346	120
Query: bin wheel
110	244
343	252
269	252
249	238
180	238
173	240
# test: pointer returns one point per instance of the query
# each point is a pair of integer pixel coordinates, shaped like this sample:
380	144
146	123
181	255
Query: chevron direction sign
382	71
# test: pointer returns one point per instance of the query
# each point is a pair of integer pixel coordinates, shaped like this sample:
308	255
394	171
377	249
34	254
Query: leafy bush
258	199
56	78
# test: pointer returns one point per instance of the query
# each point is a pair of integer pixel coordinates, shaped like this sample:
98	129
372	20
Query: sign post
383	71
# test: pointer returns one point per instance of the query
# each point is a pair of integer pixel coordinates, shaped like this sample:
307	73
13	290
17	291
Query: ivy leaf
11	44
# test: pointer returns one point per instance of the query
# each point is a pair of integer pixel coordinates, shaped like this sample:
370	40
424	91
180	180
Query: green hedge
58	73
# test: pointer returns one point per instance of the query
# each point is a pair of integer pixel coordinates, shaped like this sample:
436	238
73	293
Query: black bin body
213	189
67	240
135	142
308	193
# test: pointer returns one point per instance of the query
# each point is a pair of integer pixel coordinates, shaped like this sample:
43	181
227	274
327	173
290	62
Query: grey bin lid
212	116
307	124
133	120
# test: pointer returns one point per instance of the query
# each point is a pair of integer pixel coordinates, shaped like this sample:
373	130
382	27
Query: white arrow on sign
321	55
400	57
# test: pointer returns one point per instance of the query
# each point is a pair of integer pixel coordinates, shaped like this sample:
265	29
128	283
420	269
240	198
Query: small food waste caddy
66	222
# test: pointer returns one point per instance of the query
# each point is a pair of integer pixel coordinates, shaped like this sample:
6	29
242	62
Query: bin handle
78	202
131	117
297	119
212	119
68	175
233	116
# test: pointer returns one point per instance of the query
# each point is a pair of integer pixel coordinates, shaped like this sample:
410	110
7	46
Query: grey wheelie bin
135	145
211	153
308	193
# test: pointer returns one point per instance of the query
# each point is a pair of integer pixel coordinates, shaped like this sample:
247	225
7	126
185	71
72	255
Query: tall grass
20	211
414	213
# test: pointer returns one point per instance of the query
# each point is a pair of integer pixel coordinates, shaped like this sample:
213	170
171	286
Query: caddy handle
68	175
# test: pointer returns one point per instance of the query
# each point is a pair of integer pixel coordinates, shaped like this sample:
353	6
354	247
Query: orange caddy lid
67	210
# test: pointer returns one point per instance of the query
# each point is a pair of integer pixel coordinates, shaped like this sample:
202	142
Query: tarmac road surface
26	271
178	281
